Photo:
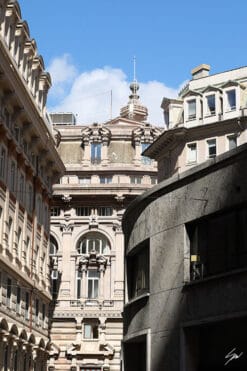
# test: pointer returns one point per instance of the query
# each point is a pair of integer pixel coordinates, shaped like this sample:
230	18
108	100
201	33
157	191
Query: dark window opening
138	270
218	243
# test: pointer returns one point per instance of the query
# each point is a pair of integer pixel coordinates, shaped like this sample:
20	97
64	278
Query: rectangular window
78	279
138	270
210	104
83	211
105	179
135	179
145	160
231	99
9	292
12	176
218	243
18	299
21	188
43	313
91	331
191	109
85	180
191	152
211	148
93	284
232	142
27	303
30	198
55	211
104	211
2	163
154	180
37	311
95	153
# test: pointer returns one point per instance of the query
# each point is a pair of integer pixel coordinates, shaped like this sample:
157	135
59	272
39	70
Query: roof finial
134	66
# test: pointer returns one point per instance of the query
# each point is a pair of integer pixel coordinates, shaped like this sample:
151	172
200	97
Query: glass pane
231	97
192	153
97	245
87	331
90	245
90	289
232	142
211	103
192	108
96	288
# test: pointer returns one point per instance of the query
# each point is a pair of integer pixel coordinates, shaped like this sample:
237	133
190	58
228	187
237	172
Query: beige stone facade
104	172
207	119
29	165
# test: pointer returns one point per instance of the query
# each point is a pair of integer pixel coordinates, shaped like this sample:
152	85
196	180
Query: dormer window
210	99
231	99
191	109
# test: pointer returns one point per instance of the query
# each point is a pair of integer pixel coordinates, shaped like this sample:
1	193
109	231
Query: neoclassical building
29	165
105	170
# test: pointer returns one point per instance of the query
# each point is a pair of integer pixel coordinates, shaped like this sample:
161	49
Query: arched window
93	242
53	246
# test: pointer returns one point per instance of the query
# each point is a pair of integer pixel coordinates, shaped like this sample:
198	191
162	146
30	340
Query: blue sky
88	46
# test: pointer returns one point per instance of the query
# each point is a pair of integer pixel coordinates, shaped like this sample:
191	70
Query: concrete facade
29	165
105	171
186	304
208	118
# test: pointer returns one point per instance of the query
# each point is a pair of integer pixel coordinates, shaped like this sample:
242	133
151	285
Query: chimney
200	71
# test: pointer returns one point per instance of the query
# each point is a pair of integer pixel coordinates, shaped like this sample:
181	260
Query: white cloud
88	94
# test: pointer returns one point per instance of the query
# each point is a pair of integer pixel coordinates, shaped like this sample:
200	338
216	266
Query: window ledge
137	298
216	276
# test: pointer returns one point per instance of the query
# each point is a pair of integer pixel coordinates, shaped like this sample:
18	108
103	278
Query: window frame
92	281
209	147
189	159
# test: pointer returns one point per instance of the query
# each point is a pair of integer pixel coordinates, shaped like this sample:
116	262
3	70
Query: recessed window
85	180
9	292
191	152
53	246
91	330
83	211
232	142
218	243
191	109
154	180
95	153
93	284
78	286
27	305
18	299
2	163
212	151
12	176
104	211
145	160
210	99
138	271
37	311
55	211
93	242
231	99
105	179
135	179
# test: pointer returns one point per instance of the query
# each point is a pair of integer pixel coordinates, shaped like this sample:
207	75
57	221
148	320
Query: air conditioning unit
54	274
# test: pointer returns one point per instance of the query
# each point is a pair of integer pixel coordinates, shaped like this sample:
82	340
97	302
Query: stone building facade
186	259
29	165
104	172
208	118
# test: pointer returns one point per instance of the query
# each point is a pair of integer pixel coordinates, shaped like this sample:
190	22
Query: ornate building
104	172
29	165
